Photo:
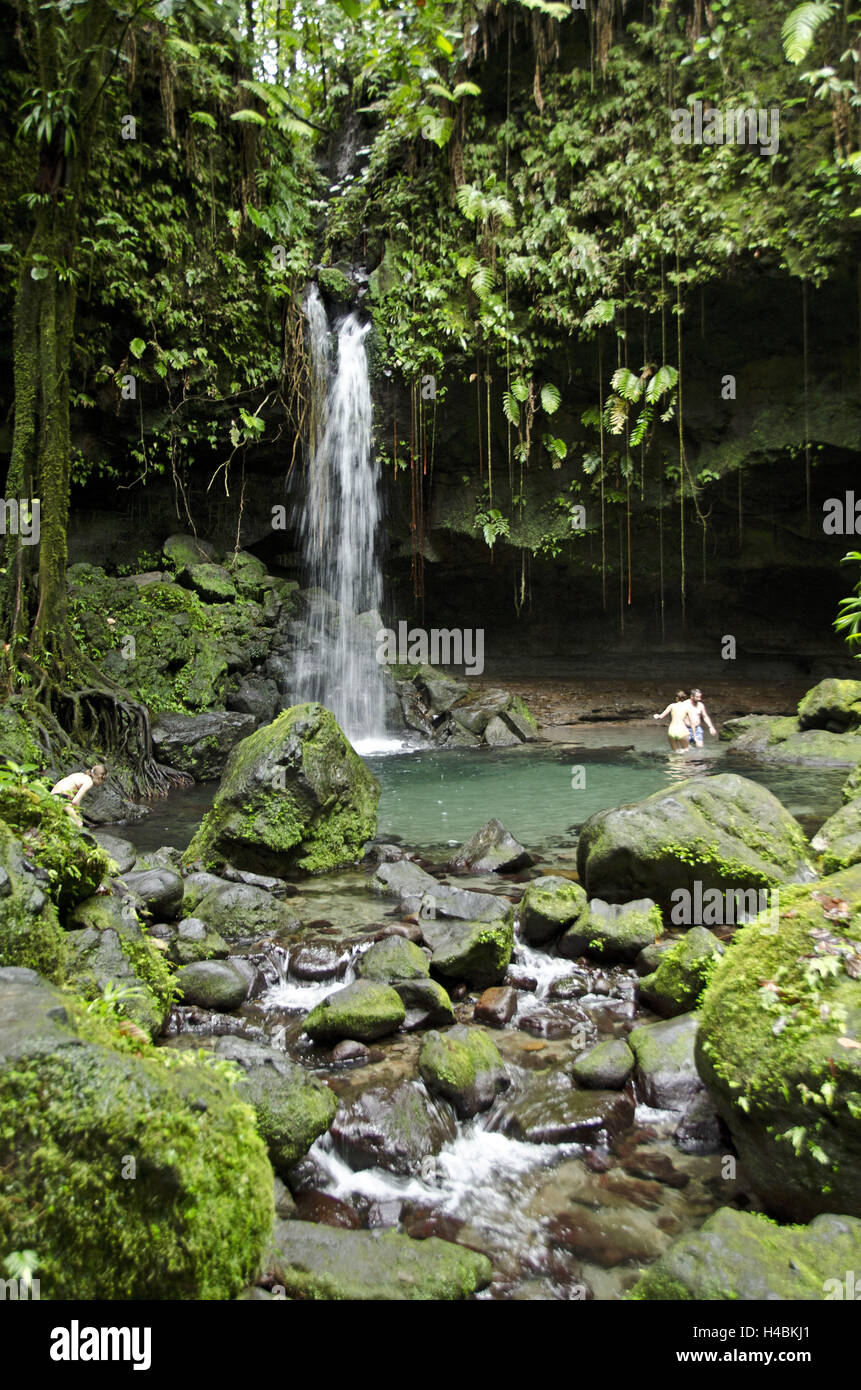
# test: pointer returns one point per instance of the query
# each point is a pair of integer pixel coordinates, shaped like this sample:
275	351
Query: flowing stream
340	525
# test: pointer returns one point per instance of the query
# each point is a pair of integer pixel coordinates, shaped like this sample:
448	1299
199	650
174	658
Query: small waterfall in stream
340	523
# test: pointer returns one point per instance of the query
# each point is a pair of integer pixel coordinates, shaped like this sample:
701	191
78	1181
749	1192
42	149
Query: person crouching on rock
75	787
680	724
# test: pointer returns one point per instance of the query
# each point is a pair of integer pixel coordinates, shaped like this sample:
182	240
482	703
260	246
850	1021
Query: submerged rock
364	1011
743	1255
293	1108
779	1047
463	1066
311	1261
294	795
80	1115
722	832
393	1128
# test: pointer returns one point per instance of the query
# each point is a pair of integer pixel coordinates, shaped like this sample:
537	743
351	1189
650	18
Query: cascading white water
340	522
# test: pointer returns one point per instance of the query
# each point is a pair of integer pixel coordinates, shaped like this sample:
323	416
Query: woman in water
680	724
75	787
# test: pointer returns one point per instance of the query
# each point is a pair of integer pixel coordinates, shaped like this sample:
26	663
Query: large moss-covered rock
323	1262
779	1047
724	832
108	950
74	862
363	1011
463	1065
237	910
211	582
391	959
743	1255
30	932
550	906
292	1107
682	973
616	931
213	984
294	796
781	740
132	1175
832	704
477	953
839	839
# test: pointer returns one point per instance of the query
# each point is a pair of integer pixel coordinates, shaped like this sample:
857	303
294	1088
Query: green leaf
801	27
519	389
137	347
39	272
466	89
443	45
626	384
551	398
246	114
510	408
352	8
203	118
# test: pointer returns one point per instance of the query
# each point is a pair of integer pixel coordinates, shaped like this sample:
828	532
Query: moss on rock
363	1011
74	862
682	973
839	839
779	1047
134	1175
30	932
464	1066
294	795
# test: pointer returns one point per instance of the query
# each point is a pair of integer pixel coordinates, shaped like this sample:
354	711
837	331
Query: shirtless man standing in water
697	716
75	787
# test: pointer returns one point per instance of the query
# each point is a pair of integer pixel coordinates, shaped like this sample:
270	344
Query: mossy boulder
182	550
202	681
212	984
292	1107
682	973
241	910
30	932
157	892
477	953
18	739
779	1047
781	740
74	862
133	1174
109	950
606	1066
839	839
463	1065
362	1011
666	1068
832	704
550	906
722	832
294	795
193	941
615	931
323	1262
743	1255
212	582
393	958
852	785
247	573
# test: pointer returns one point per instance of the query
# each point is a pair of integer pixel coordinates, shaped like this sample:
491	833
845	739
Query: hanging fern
801	27
551	398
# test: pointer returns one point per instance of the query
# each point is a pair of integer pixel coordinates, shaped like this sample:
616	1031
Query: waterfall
340	524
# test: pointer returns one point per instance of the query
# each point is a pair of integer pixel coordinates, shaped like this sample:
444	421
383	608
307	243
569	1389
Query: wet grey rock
268	882
619	931
392	1128
121	851
606	1066
240	910
427	1004
475	953
258	698
393	959
666	1072
105	806
213	984
157	892
463	1065
498	734
552	1111
699	1130
419	892
199	744
492	849
194	941
440	692
348	1052
317	961
496	1006
550	906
